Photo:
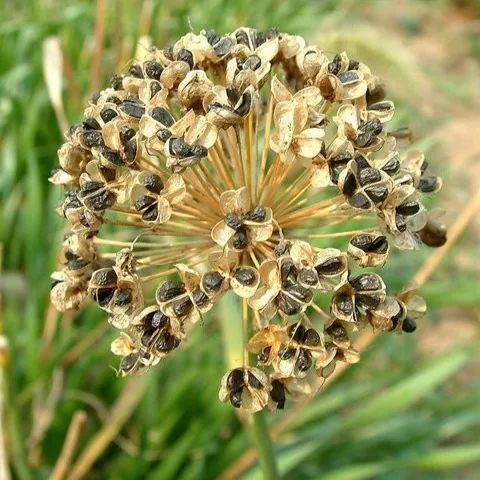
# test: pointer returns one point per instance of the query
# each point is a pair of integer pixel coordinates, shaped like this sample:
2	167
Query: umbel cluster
250	164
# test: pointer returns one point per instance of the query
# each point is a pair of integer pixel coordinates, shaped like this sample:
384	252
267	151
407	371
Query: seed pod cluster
219	165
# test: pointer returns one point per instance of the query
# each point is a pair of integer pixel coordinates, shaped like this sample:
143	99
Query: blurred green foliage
393	416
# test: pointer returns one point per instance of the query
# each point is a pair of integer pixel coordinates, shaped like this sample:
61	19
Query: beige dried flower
232	164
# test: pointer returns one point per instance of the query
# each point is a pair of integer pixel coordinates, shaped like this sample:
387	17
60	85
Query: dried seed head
204	170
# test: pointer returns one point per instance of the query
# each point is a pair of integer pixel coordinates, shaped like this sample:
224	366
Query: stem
264	446
234	344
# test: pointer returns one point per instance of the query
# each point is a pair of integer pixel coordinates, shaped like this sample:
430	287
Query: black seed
126	134
130	150
364	140
223	46
277	394
353	64
348	76
400	223
114	99
240	239
108	114
379	245
129	362
232	221
287	268
147	337
257	214
311	338
281	248
153	183
111	156
117	82
155	87
144	202
330	266
369	175
264	355
296	332
163	116
368	301
285	352
164	134
433	235
212	36
132	107
76	263
91	124
92	138
101	201
409	208
153	69
182	307
288	305
235	380
233	94
300	293
304	360
245	104
253	62
198	151
168	52
362	241
361	162
242	38
253	381
337	332
335	64
104	277
170	289
199	297
409	325
166	343
375	126
360	201
366	282
136	71
428	183
212	281
392	166
377	194
349	185
155	320
259	38
344	303
179	148
103	295
245	276
150	214
186	56
123	297
308	276
90	187
236	398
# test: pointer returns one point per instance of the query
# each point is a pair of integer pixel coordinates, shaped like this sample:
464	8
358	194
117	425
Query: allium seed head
220	165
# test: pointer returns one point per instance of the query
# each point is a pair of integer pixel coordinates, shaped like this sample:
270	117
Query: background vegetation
410	409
